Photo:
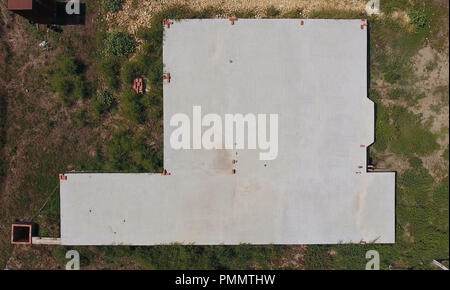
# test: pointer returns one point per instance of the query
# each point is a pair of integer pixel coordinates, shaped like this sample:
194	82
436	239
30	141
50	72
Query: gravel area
136	13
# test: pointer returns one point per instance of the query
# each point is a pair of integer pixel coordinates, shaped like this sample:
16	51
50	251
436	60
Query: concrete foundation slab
313	76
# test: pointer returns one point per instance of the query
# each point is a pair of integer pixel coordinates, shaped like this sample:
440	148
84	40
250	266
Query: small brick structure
166	77
21	233
138	85
364	23
37	11
166	22
165	172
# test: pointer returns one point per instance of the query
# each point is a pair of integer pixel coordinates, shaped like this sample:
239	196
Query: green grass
67	80
104	102
128	152
272	12
119	44
206	257
109	70
445	154
403	132
404	94
179	257
112	5
318	257
336	14
294	13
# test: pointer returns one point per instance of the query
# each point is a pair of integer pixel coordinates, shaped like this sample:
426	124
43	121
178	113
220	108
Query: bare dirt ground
432	70
294	258
432	67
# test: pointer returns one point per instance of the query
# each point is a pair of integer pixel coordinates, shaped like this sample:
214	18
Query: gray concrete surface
314	76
